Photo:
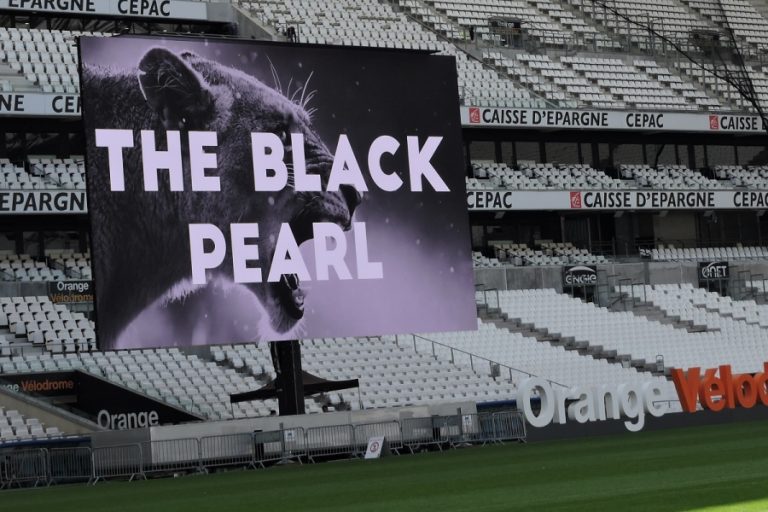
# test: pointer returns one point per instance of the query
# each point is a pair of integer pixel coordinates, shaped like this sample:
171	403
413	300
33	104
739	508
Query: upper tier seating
42	59
668	17
43	173
747	23
601	82
537	176
546	22
551	253
370	23
670	177
671	253
21	267
59	265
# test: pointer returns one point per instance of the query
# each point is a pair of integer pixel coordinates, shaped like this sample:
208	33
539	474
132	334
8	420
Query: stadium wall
272	423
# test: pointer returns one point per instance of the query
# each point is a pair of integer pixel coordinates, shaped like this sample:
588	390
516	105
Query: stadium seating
548	176
670	177
634	336
36	321
76	265
753	177
550	253
671	253
14	426
542	359
703	307
59	265
44	60
391	374
22	267
370	23
741	15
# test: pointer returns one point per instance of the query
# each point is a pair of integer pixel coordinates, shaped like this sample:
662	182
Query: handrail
472	357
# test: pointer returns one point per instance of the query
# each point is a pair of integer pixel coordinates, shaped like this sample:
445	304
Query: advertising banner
713	271
244	191
111	406
70	292
579	276
36	202
25	104
493	200
169	9
565	119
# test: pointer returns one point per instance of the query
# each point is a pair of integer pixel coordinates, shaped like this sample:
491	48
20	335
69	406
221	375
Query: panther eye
284	135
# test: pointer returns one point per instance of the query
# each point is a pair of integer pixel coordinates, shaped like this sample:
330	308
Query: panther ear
174	90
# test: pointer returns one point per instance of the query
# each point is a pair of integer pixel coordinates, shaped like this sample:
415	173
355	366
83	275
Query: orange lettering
686	386
746	390
709	389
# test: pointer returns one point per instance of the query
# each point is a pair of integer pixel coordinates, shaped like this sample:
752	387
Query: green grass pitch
705	468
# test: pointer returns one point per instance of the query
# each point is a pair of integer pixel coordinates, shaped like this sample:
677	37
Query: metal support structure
286	358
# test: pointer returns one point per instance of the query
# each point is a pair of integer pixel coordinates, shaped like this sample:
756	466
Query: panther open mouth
330	207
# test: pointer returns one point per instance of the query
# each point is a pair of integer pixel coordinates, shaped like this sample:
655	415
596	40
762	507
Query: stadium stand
623	334
583	343
36	321
552	362
550	253
370	23
21	267
738	252
14	426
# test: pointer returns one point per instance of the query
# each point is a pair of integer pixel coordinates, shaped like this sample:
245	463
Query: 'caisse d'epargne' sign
275	169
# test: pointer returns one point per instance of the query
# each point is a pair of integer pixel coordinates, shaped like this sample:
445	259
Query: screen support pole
289	384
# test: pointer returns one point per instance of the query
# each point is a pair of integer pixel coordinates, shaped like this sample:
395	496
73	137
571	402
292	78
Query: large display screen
246	191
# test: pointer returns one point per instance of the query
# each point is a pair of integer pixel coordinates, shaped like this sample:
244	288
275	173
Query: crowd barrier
125	461
331	441
33	467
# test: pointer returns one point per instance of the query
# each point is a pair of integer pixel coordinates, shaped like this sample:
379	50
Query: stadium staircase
654	313
427	15
761	6
543	335
607	39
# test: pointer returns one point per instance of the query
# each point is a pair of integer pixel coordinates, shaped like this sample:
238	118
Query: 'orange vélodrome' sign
718	390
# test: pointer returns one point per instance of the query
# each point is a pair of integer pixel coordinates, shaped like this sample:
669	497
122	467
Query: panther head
189	92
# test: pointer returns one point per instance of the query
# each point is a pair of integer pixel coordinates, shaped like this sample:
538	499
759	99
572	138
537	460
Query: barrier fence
33	467
331	441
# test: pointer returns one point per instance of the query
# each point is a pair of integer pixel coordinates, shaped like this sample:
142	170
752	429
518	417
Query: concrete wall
642	272
271	423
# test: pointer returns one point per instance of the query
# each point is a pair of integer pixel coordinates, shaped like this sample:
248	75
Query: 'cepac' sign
20	104
598	403
171	9
565	119
719	388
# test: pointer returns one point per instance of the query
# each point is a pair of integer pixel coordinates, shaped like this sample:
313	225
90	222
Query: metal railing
126	461
33	467
330	441
458	356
